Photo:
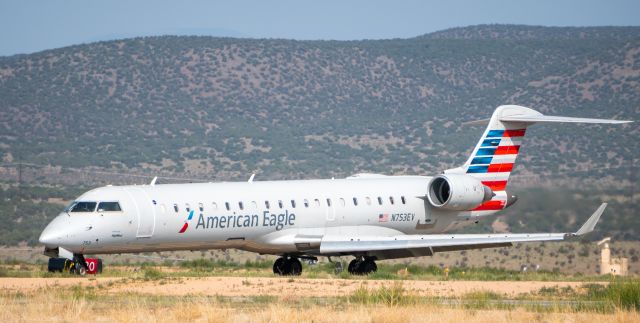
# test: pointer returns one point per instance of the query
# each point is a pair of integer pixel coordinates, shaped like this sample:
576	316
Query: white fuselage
271	217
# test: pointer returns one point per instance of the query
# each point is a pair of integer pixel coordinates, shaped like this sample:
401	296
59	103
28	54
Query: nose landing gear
287	266
362	266
79	266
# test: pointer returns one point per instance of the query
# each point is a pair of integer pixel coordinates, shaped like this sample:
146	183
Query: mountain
223	108
525	32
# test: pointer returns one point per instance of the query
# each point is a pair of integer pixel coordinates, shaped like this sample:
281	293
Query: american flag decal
383	217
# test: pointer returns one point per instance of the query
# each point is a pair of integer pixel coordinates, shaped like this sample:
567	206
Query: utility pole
19	179
634	169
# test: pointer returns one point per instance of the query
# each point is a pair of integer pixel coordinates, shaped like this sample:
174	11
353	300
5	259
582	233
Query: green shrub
624	294
260	264
151	273
198	264
621	293
391	296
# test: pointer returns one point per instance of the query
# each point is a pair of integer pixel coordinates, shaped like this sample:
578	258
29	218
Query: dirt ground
276	286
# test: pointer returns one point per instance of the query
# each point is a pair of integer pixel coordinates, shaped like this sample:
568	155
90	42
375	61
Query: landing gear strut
362	266
287	266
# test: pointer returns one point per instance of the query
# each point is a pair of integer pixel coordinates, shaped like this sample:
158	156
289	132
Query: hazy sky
29	26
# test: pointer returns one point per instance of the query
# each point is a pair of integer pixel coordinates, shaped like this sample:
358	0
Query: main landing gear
362	266
287	266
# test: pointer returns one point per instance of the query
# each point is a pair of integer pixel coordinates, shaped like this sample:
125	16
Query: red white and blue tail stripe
492	162
494	156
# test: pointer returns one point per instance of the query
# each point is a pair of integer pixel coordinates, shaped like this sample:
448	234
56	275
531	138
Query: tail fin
493	158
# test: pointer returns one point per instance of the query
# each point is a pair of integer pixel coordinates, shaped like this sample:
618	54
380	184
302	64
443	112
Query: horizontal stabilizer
543	118
515	113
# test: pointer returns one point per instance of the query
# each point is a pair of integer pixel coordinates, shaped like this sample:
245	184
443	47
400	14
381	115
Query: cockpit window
83	207
109	207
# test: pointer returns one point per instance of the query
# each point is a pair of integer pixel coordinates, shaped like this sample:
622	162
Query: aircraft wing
400	246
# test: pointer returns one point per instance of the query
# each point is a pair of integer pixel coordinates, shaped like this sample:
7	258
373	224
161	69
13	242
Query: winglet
591	222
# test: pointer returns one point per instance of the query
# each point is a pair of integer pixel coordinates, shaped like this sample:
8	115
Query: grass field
390	303
562	257
216	291
223	286
386	271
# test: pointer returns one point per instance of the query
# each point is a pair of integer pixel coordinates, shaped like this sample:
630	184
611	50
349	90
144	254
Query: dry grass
77	305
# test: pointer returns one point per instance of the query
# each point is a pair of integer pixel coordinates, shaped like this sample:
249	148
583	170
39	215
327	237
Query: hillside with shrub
223	108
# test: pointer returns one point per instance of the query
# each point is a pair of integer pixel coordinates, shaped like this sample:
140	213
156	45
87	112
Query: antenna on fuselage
251	178
153	181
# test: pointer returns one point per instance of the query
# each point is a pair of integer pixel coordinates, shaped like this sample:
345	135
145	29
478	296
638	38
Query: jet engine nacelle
457	192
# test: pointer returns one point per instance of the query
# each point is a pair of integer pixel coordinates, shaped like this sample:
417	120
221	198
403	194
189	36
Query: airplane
369	217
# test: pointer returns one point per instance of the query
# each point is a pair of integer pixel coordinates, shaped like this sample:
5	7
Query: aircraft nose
48	238
53	233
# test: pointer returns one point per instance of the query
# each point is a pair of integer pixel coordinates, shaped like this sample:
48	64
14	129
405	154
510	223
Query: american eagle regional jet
368	216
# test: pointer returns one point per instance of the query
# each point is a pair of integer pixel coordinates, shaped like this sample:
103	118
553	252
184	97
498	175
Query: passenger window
109	207
293	204
175	208
214	205
403	200
266	204
187	206
391	199
226	204
254	205
280	204
317	202
84	207
306	203
379	200
355	201
201	207
240	205
368	199
342	203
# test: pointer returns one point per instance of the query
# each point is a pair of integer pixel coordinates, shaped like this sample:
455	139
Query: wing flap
336	244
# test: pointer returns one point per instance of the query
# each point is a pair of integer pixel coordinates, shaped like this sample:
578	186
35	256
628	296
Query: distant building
608	265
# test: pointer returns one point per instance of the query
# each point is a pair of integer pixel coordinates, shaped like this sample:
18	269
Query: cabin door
146	212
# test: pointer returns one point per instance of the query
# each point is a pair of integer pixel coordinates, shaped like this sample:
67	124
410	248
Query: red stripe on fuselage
514	133
491	205
499	168
184	228
507	150
495	185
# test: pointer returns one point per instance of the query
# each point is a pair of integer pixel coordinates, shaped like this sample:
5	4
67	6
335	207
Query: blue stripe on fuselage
490	142
478	169
481	160
486	152
495	133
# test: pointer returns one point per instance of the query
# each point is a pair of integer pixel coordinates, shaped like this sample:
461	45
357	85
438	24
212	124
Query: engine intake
457	192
